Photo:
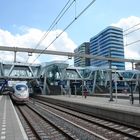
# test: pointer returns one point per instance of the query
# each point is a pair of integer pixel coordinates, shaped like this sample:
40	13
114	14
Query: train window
21	87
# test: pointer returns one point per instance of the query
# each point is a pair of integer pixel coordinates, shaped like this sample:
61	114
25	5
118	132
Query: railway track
41	128
32	135
43	125
104	128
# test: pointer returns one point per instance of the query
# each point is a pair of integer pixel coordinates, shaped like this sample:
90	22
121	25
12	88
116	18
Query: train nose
22	95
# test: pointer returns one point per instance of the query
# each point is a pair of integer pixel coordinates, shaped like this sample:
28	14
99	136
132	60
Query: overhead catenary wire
54	23
56	20
65	29
131	31
131	27
126	33
132	43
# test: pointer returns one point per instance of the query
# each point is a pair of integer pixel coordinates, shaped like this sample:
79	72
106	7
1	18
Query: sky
24	22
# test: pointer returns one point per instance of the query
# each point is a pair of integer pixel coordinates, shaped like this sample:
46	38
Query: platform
10	125
120	109
121	104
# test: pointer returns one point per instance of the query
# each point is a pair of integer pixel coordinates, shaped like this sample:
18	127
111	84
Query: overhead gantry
69	54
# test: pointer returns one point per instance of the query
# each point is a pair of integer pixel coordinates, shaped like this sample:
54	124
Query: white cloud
29	39
131	51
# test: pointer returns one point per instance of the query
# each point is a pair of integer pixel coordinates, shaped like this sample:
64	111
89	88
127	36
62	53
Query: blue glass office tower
108	43
81	61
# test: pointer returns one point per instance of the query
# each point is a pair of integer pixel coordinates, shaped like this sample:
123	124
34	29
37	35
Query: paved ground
120	104
10	126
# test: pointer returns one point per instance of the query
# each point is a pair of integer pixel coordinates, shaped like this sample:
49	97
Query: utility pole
82	87
110	77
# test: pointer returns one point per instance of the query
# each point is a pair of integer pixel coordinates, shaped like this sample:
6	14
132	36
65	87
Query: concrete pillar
15	56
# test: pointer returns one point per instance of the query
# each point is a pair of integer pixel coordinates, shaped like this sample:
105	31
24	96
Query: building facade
81	61
108	43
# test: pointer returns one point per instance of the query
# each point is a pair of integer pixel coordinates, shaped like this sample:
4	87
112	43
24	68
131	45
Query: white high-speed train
20	93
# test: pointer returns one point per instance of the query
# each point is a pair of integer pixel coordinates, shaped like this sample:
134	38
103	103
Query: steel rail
70	122
30	125
104	125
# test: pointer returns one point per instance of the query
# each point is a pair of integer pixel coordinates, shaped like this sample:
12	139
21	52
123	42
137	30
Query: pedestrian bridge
58	74
18	71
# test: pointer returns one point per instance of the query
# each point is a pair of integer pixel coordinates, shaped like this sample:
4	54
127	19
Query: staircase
101	89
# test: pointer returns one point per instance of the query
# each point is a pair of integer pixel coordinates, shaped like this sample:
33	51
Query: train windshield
21	87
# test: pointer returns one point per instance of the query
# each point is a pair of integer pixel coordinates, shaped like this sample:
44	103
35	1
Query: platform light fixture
29	54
